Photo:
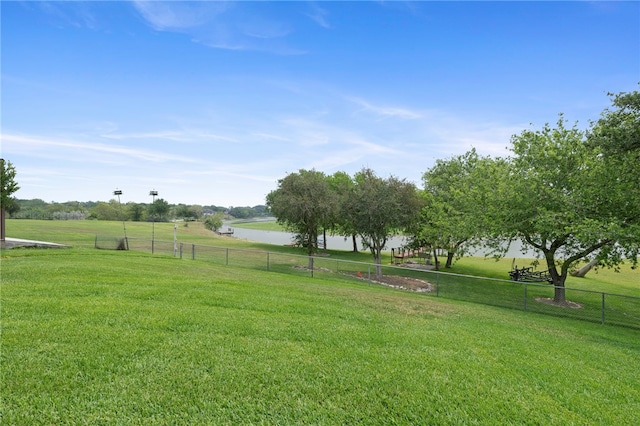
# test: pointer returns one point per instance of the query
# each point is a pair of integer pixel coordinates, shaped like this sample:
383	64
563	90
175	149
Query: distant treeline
159	210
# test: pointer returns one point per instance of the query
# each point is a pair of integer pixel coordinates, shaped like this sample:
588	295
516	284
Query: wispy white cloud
74	150
268	136
177	15
76	14
170	135
318	15
221	25
386	111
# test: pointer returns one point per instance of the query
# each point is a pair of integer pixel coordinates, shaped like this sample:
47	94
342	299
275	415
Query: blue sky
213	102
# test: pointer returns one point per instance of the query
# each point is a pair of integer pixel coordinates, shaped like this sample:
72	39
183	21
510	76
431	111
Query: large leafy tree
617	135
8	186
381	208
563	198
454	192
304	204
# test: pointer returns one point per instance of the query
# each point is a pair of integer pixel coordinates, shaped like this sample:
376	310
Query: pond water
336	242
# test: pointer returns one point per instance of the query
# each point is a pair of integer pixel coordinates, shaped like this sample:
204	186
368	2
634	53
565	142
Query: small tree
214	221
342	185
8	186
136	211
455	194
158	210
304	204
381	208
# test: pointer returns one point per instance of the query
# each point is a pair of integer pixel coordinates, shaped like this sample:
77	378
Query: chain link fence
593	306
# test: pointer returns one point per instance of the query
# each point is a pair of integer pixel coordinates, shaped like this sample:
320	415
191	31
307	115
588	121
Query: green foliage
241	212
380	208
107	211
305	205
454	192
158	210
618	130
8	184
343	186
214	221
136	211
565	200
188	213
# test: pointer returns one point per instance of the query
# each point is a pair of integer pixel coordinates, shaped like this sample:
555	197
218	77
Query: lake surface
335	242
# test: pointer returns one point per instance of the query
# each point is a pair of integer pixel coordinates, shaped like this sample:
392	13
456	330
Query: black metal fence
593	306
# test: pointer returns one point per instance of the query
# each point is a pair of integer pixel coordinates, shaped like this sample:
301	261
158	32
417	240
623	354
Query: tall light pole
126	241
154	194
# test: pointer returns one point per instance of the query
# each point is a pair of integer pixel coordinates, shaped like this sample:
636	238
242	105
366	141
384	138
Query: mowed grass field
114	337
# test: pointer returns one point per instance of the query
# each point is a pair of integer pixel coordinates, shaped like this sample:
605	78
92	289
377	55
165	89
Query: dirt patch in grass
394	281
565	304
404	283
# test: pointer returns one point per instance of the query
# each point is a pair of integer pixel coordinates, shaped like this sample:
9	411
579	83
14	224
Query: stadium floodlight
124	226
154	194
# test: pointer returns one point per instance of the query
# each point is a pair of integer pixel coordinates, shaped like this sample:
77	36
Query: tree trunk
378	265
355	243
580	273
324	238
557	279
450	256
2	230
436	262
558	284
559	295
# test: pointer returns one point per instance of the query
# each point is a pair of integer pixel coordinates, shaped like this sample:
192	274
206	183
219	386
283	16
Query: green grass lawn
82	234
261	225
117	337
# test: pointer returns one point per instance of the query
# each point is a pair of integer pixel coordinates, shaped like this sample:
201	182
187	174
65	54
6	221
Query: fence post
437	284
267	261
193	252
525	297
369	273
602	308
226	261
311	264
181	250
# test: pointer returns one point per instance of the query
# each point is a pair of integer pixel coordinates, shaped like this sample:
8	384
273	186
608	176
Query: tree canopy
158	210
304	204
454	192
562	197
8	186
380	208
